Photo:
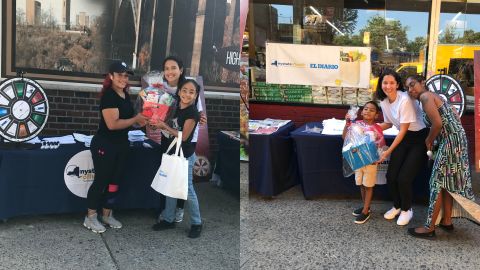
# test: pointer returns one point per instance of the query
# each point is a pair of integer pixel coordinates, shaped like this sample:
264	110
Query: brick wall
74	111
71	111
304	114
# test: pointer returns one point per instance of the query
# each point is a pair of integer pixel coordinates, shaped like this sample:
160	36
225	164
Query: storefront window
74	40
458	38
395	30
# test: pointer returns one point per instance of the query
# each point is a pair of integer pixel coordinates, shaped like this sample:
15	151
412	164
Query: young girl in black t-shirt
185	120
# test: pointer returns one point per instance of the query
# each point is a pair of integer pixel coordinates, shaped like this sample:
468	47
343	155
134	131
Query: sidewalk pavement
289	232
61	241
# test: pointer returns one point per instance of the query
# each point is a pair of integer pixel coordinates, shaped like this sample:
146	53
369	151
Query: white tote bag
171	178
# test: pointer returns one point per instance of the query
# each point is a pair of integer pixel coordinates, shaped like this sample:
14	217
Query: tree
470	37
348	22
448	36
348	40
380	30
416	45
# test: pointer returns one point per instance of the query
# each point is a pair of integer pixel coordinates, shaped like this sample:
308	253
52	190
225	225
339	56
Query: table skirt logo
79	173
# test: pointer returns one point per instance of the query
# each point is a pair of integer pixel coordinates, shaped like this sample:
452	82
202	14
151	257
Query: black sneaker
195	231
362	218
358	211
163	225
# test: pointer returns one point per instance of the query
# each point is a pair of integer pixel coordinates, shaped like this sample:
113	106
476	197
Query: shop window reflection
396	30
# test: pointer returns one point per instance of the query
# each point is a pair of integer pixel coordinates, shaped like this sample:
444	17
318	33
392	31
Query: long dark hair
379	94
416	77
107	85
180	66
197	89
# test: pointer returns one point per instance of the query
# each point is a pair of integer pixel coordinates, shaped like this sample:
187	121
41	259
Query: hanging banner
476	67
318	65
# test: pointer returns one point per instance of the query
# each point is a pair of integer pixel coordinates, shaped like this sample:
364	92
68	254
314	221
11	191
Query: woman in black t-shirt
185	120
109	146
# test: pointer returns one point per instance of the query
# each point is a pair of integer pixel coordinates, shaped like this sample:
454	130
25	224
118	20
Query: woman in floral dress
450	181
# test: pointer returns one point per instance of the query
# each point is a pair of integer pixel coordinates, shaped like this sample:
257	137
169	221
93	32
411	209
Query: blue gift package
361	155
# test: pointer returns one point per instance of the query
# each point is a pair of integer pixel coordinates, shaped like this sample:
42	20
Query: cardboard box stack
297	93
319	94
364	95
265	91
334	95
349	95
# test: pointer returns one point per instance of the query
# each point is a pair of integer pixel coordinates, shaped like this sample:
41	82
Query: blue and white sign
318	65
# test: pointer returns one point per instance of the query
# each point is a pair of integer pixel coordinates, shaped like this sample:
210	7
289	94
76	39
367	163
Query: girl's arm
113	121
431	109
188	127
396	141
385	125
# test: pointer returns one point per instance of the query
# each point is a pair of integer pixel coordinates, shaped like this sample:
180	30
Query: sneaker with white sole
111	221
358	211
179	215
392	213
405	217
92	223
362	218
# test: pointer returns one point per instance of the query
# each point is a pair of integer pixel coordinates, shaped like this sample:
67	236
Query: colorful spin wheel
449	89
23	109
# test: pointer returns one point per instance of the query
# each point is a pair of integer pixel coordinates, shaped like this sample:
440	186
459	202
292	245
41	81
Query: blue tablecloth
320	167
228	163
32	181
272	162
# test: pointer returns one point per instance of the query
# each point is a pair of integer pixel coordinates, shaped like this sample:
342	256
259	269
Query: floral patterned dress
451	167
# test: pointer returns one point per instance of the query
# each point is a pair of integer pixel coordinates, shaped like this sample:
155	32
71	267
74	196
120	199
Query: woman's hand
429	143
159	124
384	156
203	118
141	119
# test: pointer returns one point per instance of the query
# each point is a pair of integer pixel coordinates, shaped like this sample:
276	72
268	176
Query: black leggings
408	158
109	160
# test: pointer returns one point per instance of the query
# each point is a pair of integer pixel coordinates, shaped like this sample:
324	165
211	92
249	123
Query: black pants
109	158
406	161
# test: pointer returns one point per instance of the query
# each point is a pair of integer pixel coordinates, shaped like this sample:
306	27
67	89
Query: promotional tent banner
318	65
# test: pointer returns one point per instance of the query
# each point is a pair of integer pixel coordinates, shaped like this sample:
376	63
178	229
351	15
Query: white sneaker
92	223
178	215
392	213
111	221
405	217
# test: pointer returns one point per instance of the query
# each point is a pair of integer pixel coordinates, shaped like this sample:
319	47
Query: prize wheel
449	89
23	109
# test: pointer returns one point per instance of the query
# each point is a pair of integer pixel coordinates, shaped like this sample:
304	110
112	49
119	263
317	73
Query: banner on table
79	173
318	65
